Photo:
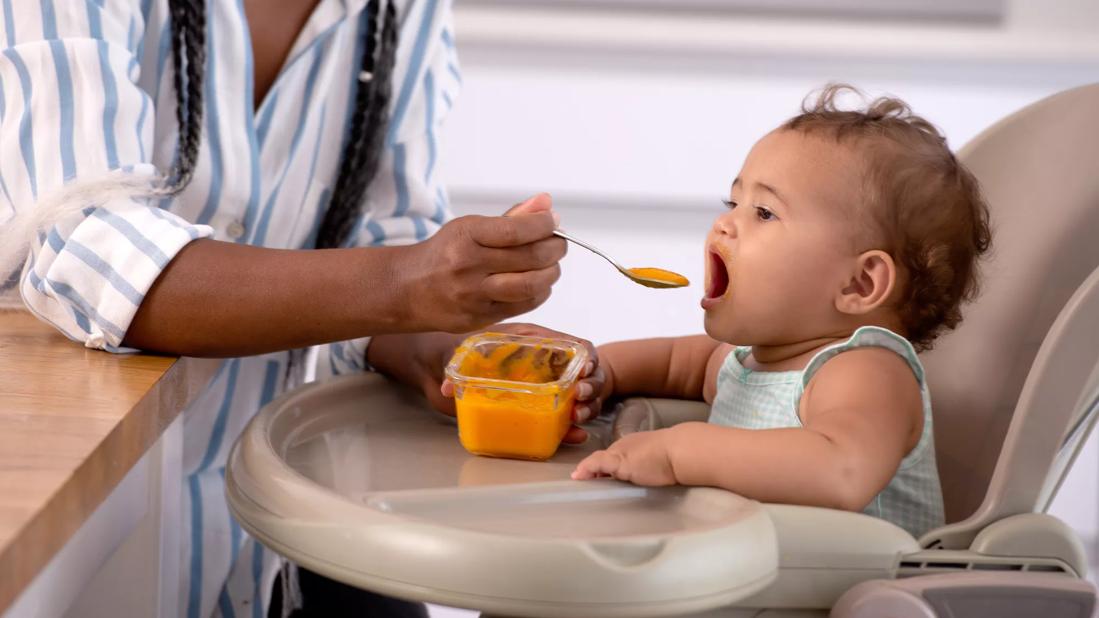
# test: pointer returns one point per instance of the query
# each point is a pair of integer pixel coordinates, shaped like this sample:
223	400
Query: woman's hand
476	271
642	458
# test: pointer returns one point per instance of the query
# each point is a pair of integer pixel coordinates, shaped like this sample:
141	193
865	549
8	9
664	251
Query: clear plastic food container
514	394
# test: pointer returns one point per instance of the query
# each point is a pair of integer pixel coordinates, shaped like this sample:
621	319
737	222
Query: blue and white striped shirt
86	88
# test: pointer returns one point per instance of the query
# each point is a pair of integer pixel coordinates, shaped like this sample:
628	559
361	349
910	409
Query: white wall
637	121
638	133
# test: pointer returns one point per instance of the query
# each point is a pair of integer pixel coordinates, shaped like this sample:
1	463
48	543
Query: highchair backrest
1012	388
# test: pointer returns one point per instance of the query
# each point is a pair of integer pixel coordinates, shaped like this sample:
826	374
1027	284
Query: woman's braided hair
369	120
189	60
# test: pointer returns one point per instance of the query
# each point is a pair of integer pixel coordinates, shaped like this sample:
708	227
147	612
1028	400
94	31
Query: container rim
568	376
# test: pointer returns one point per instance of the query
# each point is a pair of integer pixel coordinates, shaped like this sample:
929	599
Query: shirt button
234	230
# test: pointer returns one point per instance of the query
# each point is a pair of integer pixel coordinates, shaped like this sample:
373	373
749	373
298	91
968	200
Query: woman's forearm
224	299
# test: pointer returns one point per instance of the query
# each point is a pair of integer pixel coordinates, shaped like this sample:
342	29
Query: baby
850	240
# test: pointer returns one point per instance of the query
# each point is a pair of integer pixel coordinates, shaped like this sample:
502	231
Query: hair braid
188	36
369	120
369	123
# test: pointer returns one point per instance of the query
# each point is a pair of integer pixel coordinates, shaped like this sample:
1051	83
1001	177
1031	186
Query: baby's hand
641	458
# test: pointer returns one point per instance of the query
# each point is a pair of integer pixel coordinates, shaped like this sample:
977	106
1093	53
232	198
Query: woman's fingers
441	401
520	287
588	403
537	203
478	270
575	435
510	231
585	412
533	256
590	385
593	362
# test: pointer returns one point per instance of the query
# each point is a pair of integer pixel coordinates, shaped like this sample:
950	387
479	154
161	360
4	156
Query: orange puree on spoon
659	274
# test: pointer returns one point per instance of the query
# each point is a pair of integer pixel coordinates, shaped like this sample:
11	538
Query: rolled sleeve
88	277
407	201
73	116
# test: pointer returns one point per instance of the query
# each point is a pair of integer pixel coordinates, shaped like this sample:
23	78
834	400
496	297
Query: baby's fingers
599	463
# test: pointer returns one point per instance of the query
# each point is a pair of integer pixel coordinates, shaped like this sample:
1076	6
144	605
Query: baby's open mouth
718	280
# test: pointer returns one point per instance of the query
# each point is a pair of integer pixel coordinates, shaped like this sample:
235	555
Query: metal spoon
671	280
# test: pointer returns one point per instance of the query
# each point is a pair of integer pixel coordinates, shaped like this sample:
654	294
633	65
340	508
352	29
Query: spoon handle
566	236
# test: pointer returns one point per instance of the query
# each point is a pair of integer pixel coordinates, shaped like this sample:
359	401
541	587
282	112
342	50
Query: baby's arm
861	413
675	367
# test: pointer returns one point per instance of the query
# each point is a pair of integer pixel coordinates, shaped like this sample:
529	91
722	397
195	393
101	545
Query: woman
286	126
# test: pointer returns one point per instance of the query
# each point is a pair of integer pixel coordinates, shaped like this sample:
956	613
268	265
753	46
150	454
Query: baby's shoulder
863	378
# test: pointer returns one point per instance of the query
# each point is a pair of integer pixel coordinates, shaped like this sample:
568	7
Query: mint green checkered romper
769	400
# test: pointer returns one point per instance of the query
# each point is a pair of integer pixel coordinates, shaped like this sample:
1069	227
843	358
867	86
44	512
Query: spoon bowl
648	277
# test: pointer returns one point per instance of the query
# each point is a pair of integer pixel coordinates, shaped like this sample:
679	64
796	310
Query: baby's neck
795	355
787	356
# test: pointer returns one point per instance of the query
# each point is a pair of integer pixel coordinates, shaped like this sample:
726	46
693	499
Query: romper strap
864	337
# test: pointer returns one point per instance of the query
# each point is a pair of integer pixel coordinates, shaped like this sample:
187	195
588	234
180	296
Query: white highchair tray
358	479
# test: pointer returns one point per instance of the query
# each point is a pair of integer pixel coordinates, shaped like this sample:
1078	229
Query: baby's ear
872	281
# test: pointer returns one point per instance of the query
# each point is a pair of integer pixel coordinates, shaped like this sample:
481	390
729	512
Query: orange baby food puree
512	423
660	275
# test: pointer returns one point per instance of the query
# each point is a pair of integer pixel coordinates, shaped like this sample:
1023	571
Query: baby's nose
725	224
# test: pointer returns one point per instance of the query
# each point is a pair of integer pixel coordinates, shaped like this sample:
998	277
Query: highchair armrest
1005	595
646	414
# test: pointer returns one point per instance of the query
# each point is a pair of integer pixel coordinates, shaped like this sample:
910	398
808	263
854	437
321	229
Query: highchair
358	479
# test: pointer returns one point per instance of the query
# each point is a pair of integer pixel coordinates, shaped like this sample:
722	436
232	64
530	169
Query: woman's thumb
541	202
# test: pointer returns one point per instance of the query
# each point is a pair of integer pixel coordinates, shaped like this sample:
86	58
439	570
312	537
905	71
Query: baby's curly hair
925	206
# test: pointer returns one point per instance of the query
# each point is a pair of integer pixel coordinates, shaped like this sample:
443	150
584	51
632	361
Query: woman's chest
262	172
274	26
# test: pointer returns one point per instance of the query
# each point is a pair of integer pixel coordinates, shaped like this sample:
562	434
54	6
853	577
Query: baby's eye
764	215
730	204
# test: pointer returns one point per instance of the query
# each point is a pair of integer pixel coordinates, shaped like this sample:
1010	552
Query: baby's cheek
806	269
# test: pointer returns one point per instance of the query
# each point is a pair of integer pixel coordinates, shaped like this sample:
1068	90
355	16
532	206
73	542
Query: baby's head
840	219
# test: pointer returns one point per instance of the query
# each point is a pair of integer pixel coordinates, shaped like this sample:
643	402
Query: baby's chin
724	327
719	328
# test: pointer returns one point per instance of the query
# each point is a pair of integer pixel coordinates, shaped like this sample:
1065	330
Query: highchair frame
1006	558
1009	534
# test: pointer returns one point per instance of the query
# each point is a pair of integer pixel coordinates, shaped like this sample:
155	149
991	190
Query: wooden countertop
73	421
